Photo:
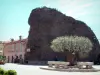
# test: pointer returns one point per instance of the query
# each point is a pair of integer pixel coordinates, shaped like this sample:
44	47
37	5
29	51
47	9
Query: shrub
11	72
6	73
2	71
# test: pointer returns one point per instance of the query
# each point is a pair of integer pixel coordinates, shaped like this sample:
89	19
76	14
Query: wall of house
13	49
1	48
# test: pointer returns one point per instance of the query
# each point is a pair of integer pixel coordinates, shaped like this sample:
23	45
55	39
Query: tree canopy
71	44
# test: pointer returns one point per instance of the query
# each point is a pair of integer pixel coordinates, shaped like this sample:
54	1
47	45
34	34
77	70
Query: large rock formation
46	24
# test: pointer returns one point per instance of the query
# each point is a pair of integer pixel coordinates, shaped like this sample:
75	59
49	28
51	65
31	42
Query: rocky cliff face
46	24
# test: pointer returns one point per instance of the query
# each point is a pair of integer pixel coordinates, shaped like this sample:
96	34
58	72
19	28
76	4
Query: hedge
9	72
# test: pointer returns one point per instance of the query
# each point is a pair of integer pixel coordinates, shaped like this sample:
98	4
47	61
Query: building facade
1	48
14	48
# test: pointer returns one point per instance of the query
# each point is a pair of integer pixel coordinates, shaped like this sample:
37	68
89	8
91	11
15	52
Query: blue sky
14	14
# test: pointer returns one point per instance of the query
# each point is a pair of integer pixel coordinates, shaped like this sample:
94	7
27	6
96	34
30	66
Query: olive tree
71	44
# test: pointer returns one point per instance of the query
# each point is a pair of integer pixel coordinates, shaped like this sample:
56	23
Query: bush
11	72
6	73
2	71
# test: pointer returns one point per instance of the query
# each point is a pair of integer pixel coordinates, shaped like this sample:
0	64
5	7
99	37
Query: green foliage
11	72
71	44
6	73
2	57
2	71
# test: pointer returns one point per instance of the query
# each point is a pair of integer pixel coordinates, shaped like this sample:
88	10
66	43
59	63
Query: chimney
12	40
20	37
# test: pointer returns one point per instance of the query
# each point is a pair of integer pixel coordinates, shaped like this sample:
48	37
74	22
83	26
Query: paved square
35	70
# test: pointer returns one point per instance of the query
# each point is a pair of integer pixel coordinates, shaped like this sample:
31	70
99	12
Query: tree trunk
70	58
